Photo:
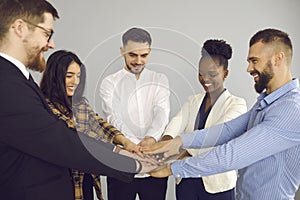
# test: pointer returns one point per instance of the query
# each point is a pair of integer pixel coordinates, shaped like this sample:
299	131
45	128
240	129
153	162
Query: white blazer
226	107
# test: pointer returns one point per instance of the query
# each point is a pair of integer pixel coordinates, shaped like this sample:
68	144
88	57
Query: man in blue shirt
264	143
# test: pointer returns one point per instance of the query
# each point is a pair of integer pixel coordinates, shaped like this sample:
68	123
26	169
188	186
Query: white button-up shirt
137	107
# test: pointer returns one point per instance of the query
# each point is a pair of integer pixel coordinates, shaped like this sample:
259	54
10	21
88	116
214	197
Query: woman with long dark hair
63	84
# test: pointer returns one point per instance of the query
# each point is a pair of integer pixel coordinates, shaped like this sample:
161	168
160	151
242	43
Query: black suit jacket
37	149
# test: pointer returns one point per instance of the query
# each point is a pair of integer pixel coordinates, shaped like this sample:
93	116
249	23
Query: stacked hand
164	152
155	157
147	141
127	144
148	162
164	148
162	171
132	147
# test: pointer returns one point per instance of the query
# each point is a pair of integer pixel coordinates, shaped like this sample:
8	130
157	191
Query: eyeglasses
48	32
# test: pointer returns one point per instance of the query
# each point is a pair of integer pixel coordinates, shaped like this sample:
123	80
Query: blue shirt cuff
175	168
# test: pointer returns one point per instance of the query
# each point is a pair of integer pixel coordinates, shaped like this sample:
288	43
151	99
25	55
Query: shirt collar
265	99
17	63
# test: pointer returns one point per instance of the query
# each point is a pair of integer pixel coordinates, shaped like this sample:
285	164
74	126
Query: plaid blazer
85	121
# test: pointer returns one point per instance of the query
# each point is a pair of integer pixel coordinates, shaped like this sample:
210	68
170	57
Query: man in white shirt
136	101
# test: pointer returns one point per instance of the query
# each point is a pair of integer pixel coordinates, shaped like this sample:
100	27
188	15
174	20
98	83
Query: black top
202	115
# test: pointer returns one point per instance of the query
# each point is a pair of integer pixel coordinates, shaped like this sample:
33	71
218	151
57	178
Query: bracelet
119	133
114	136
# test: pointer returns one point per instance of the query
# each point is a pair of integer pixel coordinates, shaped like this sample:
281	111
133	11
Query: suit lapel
38	91
217	110
13	72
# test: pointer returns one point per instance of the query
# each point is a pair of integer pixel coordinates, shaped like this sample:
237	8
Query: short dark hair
269	36
31	10
217	49
53	81
136	35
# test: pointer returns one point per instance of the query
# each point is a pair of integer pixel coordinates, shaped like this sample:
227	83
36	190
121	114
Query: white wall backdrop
93	29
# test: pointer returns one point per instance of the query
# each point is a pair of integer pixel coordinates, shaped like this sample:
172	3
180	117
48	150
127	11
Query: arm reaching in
127	144
184	153
148	140
147	167
145	158
162	171
167	148
144	164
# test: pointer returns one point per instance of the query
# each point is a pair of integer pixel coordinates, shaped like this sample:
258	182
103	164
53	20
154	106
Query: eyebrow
49	30
251	58
144	54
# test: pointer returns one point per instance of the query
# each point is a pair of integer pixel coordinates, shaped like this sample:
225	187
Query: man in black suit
37	149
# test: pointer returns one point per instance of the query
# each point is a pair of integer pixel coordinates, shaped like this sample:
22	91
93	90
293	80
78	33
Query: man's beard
264	78
132	70
38	64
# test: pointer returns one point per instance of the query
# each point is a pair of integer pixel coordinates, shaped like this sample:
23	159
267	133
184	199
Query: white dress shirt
137	107
226	107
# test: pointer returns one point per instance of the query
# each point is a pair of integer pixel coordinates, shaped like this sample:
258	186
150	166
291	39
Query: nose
75	80
205	78
51	44
249	68
138	60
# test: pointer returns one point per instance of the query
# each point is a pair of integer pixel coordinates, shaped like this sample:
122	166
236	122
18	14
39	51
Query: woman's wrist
117	138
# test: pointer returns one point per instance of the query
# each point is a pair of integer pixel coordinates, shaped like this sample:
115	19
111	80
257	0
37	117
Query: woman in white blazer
213	107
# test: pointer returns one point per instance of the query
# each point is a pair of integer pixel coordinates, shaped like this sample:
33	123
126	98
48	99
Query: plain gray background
93	29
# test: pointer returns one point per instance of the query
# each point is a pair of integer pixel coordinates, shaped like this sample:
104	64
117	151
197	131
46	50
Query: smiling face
136	55
37	42
260	66
72	78
211	75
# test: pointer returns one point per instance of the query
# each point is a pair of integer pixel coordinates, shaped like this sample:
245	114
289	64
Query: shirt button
177	176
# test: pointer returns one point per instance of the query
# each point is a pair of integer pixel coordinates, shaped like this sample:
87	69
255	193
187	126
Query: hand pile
156	158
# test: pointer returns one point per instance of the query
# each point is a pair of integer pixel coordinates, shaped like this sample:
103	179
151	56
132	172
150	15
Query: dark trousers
193	189
87	187
148	188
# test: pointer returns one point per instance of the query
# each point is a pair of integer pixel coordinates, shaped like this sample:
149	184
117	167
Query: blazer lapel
13	72
217	110
38	91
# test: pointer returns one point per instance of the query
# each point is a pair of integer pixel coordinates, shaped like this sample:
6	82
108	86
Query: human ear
18	27
226	72
279	57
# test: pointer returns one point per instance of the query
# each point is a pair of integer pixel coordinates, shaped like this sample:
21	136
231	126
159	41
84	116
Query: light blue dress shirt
263	144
